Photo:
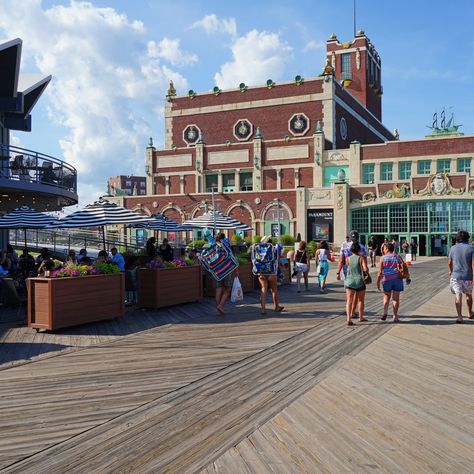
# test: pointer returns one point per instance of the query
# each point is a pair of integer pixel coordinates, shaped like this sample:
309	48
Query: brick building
315	153
126	185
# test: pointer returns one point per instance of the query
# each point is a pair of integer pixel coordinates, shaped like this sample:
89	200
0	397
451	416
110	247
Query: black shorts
362	288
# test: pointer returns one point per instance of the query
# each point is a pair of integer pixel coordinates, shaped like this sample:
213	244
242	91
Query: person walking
354	283
269	280
413	249
343	259
224	286
373	252
392	282
461	266
301	261
322	262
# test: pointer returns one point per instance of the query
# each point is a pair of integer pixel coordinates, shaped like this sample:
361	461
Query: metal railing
25	165
59	241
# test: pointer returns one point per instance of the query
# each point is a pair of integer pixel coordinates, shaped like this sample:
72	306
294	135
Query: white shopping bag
408	258
237	293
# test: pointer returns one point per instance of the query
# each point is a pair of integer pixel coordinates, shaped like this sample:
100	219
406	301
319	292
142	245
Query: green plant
107	268
287	239
257	238
286	249
248	240
169	265
236	239
311	247
197	243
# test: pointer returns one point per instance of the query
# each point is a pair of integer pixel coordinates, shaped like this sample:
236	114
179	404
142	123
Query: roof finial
171	91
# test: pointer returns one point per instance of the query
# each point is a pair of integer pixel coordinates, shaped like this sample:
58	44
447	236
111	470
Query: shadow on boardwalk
20	344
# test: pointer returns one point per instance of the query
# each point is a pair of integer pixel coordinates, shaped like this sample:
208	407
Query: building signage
320	224
275	231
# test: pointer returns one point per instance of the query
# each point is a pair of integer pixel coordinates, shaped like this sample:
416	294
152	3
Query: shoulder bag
365	275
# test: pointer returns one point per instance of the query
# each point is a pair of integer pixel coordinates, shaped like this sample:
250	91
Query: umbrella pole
103	236
25	238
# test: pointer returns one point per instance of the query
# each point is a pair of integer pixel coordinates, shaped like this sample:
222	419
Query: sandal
363	320
384	317
350	323
263	313
279	309
459	321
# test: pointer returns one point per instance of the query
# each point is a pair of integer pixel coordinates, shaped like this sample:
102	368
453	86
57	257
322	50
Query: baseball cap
354	235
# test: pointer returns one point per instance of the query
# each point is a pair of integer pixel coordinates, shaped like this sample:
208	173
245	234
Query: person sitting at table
12	254
118	259
46	266
103	257
71	257
6	261
44	253
82	254
166	251
26	265
86	261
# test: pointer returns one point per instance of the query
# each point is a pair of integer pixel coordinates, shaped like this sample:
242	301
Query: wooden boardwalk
403	404
179	397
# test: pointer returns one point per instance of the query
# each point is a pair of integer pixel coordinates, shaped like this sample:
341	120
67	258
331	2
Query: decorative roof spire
171	91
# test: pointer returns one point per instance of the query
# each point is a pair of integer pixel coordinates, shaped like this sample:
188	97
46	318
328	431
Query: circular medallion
343	128
155	204
191	134
257	200
438	184
243	129
298	124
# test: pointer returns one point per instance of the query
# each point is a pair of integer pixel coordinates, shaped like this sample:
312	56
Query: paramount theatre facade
312	156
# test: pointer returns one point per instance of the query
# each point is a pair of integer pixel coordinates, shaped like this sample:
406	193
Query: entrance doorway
439	245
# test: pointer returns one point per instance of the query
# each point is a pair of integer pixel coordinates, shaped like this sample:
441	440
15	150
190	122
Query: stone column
341	211
257	161
301	221
318	142
149	168
237	180
167	185
219	181
354	164
181	184
199	167
278	183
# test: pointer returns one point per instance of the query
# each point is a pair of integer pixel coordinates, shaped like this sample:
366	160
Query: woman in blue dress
322	262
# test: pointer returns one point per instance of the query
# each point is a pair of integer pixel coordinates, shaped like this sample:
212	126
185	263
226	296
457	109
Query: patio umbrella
25	217
217	220
100	214
161	223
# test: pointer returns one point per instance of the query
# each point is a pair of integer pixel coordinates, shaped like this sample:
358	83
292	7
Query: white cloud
212	24
169	50
313	44
108	85
256	57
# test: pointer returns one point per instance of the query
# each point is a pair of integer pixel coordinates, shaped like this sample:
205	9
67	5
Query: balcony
34	179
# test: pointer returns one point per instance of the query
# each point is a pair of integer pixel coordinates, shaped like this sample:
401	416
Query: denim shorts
393	285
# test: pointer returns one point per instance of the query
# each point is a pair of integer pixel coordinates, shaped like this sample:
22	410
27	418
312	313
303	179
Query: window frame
383	171
408	169
365	166
423	162
467	159
444	161
242	185
209	188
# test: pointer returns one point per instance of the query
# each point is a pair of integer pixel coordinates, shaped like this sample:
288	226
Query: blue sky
111	63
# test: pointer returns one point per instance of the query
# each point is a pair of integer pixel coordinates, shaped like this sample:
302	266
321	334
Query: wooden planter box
55	303
169	286
246	277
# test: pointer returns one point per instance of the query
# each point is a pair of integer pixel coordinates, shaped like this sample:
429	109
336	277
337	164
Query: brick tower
358	68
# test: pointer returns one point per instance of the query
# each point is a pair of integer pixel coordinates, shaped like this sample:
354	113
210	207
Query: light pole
277	201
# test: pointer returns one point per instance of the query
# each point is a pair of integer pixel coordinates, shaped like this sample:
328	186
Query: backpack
264	259
218	261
